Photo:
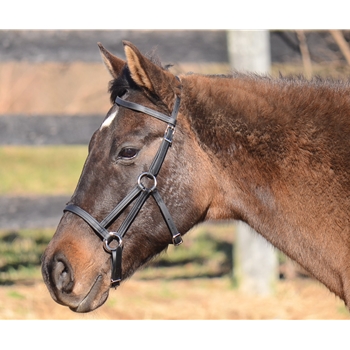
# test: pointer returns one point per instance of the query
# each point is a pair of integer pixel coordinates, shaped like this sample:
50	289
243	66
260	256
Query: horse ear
148	75
113	63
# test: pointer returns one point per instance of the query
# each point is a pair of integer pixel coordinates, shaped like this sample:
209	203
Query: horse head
123	164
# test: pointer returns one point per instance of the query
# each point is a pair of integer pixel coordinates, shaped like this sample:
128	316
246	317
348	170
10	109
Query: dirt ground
194	299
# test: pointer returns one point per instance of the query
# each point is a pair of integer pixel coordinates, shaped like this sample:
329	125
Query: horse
175	151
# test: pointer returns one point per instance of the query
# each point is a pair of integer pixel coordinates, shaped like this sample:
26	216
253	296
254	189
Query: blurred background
53	96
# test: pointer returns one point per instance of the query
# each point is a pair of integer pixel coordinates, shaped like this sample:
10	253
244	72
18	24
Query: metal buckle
174	239
172	128
112	236
115	283
150	176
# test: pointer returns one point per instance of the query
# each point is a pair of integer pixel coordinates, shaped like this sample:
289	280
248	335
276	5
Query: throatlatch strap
176	236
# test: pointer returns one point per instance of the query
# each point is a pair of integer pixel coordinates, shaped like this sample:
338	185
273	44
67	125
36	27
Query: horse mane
260	113
117	87
290	79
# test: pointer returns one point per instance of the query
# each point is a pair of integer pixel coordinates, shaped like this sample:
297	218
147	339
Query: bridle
140	193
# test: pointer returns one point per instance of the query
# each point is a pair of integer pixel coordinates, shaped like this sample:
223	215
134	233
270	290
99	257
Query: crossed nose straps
113	241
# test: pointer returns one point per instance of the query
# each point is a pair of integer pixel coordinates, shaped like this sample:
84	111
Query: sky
178	14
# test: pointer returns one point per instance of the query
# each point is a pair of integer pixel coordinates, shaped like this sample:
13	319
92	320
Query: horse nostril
62	274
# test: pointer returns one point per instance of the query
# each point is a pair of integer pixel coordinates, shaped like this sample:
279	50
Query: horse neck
229	131
218	110
269	181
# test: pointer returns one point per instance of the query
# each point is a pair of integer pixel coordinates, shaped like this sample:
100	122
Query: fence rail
31	213
47	130
40	212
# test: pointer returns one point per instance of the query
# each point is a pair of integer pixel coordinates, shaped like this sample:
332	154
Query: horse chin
92	300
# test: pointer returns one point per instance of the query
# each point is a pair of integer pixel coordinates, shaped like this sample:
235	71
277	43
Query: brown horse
274	153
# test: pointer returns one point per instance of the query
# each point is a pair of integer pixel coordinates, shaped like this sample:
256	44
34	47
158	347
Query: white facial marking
109	120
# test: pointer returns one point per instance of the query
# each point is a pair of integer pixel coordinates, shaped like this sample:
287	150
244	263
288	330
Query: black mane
118	87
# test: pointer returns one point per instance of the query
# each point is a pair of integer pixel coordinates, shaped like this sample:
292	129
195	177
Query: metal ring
150	176
112	236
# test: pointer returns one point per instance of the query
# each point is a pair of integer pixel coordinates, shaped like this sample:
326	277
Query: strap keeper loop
169	134
177	239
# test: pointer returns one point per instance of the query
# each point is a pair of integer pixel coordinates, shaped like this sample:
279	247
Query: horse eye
128	153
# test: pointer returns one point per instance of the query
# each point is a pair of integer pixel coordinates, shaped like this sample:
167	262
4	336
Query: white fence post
255	260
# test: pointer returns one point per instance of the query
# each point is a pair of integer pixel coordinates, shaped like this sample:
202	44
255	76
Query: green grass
33	171
15	295
206	252
49	170
20	254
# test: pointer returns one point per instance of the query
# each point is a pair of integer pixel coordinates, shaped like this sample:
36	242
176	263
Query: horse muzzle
81	297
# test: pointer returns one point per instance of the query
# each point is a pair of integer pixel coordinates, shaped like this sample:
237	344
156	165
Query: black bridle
140	191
